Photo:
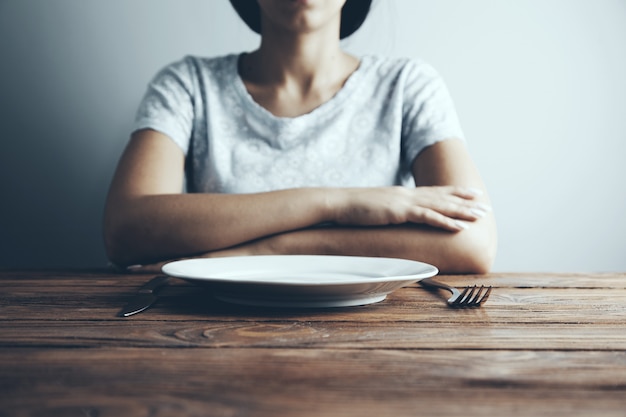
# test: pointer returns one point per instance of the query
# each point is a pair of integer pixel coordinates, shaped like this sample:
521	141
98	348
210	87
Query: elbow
117	242
113	245
478	261
478	251
473	251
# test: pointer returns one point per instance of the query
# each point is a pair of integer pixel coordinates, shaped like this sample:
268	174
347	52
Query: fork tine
472	296
485	296
481	296
474	301
458	301
468	299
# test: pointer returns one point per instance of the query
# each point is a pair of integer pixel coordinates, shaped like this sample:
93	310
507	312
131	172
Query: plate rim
428	270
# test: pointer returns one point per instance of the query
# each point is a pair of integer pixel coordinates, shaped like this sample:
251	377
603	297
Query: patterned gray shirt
367	134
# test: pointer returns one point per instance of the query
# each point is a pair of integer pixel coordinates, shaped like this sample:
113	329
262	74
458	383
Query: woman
299	148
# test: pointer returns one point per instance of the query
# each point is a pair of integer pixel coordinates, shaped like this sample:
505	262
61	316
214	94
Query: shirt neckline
328	106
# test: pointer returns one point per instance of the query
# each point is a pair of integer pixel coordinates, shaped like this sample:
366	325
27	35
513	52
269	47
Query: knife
145	297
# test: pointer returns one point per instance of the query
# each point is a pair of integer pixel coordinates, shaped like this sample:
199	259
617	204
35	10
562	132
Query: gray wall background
540	87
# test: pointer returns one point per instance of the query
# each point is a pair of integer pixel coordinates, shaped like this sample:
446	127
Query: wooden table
544	344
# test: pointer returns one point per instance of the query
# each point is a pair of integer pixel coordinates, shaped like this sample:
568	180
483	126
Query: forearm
468	251
143	229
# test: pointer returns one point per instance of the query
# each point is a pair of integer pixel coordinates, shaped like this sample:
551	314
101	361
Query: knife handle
153	285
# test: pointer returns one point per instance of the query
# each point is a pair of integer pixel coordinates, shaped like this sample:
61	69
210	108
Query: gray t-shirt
367	134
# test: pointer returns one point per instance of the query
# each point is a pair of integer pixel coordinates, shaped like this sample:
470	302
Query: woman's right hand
445	207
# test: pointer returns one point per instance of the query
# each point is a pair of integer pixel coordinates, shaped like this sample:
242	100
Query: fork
469	297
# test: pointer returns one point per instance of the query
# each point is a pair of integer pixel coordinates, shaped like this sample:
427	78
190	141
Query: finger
436	219
468	193
462	209
445	202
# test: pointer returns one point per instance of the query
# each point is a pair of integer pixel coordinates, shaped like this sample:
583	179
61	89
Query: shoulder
398	66
192	70
210	64
413	79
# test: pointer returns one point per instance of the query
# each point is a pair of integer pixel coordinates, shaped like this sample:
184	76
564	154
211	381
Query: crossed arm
445	220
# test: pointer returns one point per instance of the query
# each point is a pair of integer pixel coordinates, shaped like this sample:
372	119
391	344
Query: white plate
301	280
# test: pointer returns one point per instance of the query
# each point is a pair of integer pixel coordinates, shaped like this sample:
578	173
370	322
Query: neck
301	61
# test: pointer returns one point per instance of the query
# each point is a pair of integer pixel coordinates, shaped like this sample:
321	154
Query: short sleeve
429	115
167	105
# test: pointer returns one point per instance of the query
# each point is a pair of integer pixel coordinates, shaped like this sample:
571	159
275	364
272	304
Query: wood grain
544	344
509	305
315	334
311	382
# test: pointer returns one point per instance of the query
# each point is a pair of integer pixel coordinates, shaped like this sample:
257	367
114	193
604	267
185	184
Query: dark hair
353	15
